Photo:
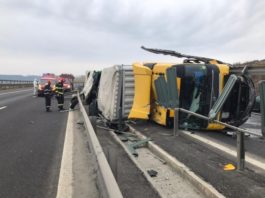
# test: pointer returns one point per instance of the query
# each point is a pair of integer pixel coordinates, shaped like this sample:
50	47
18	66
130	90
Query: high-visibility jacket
59	88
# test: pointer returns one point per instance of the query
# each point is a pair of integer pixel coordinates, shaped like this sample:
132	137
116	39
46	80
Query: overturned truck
151	91
110	93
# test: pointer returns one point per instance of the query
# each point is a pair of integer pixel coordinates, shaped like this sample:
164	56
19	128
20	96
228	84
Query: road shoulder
77	175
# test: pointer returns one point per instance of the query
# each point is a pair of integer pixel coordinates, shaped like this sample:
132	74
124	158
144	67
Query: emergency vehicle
44	80
68	81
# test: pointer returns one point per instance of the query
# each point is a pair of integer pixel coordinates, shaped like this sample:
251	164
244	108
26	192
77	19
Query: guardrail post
176	122
240	151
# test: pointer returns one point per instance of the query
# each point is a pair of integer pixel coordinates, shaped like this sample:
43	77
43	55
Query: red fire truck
44	80
68	82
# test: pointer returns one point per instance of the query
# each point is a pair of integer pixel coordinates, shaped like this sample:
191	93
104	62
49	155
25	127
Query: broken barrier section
132	147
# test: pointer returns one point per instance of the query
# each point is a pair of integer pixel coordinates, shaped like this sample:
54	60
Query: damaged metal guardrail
240	135
107	183
216	109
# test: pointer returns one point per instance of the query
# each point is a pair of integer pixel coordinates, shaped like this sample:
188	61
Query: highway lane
8	97
31	144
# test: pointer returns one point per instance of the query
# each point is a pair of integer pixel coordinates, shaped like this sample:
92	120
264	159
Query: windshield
66	81
199	90
44	81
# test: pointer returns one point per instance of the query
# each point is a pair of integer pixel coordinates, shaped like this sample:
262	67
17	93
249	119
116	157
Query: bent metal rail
107	183
239	131
8	84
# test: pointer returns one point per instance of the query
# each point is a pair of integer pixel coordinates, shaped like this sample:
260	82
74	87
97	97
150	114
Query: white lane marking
3	107
14	92
258	162
65	184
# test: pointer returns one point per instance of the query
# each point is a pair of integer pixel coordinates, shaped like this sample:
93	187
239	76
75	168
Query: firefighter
48	95
60	93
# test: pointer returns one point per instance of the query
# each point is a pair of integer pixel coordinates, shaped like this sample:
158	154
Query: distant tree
70	76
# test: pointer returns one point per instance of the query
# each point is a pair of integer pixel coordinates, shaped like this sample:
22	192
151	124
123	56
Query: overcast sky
73	36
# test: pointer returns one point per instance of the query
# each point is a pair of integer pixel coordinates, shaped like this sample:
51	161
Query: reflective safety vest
59	88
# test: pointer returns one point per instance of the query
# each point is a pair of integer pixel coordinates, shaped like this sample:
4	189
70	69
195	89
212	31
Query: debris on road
229	167
152	173
80	122
124	138
133	146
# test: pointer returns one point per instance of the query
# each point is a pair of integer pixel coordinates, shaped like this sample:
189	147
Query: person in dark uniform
60	93
48	95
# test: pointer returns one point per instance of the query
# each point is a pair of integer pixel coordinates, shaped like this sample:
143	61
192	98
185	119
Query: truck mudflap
142	90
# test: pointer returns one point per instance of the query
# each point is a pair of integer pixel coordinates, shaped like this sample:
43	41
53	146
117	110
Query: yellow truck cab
198	84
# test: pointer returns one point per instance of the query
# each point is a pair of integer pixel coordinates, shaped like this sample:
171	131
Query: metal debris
136	145
152	173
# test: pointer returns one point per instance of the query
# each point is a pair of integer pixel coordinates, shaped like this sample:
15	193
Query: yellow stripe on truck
142	90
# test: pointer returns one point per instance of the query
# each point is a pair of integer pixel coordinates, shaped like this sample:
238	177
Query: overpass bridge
68	154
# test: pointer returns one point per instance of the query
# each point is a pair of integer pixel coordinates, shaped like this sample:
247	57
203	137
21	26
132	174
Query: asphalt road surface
31	145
